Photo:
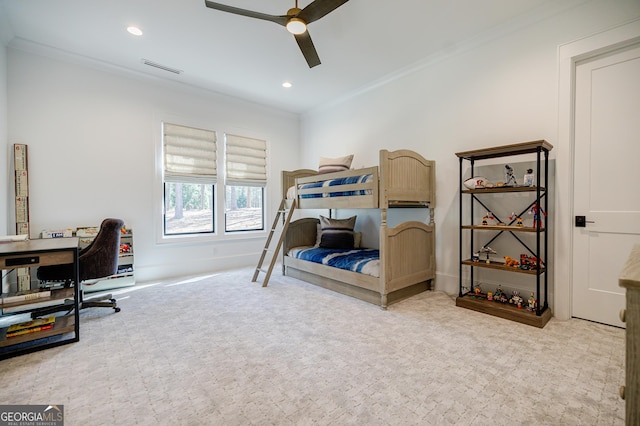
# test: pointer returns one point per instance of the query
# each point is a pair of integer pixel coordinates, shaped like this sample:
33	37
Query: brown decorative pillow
340	164
337	233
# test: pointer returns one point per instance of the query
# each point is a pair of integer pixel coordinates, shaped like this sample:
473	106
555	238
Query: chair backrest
100	258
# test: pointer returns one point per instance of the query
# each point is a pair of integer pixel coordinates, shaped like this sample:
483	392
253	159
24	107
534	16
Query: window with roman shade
189	154
245	161
190	172
245	181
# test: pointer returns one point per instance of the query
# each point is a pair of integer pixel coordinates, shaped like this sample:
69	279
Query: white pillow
330	165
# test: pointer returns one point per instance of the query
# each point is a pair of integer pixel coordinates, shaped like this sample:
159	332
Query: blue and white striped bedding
365	261
337	182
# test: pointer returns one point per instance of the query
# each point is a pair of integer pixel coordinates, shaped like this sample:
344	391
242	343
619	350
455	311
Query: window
245	181
189	180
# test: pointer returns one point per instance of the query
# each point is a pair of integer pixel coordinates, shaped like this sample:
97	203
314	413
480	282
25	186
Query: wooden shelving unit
539	316
504	310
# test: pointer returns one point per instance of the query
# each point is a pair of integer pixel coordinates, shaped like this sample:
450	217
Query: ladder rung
285	222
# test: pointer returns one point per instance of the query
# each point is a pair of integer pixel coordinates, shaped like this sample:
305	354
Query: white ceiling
360	43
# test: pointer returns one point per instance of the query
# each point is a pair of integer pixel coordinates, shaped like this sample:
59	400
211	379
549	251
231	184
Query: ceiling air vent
160	66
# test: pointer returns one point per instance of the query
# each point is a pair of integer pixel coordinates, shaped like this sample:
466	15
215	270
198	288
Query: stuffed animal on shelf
511	262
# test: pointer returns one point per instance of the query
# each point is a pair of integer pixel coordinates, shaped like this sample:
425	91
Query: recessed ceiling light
135	31
286	84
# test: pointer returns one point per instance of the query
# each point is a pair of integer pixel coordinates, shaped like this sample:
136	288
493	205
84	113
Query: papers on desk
11	238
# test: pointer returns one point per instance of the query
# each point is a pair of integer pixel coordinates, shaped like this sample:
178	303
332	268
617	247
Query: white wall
497	90
4	147
92	137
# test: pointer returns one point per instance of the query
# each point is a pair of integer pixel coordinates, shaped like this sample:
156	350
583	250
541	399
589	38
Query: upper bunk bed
403	178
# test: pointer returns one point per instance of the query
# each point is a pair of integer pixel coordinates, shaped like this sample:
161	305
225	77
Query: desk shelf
35	253
63	325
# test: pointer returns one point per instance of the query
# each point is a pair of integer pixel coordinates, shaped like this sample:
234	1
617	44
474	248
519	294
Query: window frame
247	152
219	234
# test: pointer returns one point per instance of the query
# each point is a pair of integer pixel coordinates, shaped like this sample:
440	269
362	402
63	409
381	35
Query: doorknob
581	221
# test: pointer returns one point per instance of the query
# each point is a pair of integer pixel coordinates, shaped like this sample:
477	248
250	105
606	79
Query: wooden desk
34	253
630	279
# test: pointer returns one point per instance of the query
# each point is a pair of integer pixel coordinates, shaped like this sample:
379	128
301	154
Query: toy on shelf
488	250
530	262
511	262
489	296
510	178
515	217
486	218
532	303
516	299
536	210
499	296
529	178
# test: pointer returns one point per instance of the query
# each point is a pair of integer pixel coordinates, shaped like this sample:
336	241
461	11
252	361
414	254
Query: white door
606	180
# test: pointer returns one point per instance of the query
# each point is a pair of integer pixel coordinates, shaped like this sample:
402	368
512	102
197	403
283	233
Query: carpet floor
221	350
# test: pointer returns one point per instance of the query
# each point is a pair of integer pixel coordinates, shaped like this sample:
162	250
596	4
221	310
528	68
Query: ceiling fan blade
318	9
308	49
281	20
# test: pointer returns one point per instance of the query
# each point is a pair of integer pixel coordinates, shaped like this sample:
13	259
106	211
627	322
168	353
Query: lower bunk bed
405	262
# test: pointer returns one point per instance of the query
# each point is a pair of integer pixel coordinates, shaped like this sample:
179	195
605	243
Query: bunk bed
406	253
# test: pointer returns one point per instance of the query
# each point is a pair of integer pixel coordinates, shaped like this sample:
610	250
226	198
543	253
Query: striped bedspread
365	261
334	182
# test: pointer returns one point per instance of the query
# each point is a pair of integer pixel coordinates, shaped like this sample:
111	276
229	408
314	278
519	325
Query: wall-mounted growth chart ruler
22	206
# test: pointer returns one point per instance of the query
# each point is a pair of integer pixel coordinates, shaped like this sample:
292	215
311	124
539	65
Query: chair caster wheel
112	300
116	309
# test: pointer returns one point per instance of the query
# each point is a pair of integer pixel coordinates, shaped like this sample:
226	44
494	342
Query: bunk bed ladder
286	219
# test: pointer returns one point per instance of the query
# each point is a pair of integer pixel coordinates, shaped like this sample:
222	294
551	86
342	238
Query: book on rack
25	296
29	330
38	324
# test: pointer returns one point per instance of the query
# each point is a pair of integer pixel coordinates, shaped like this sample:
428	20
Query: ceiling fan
296	21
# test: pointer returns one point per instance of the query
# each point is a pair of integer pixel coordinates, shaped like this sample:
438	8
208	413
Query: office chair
98	260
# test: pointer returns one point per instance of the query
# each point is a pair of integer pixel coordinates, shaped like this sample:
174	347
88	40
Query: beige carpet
221	350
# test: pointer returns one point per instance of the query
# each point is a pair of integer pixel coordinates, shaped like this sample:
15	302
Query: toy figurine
499	295
518	219
529	177
489	295
487	217
510	178
498	292
509	261
477	290
536	210
532	303
516	299
488	250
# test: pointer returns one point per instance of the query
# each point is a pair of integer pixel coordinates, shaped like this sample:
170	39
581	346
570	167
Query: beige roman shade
246	161
189	154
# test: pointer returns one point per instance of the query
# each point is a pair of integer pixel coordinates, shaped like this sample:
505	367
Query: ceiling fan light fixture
296	26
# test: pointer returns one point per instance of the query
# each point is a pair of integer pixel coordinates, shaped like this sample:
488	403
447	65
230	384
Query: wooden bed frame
407	263
407	252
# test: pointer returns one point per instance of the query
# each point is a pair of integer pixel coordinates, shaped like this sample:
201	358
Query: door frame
568	54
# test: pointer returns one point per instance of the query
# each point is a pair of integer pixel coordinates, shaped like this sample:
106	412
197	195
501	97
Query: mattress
331	183
364	261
